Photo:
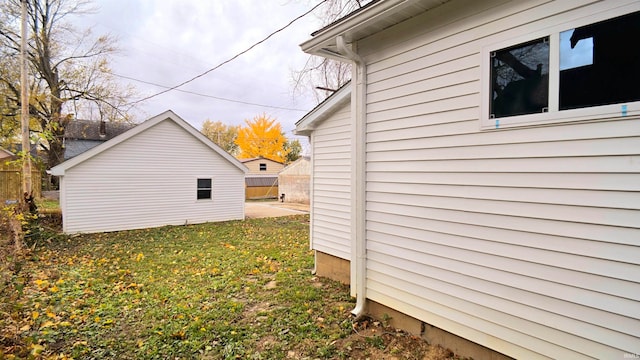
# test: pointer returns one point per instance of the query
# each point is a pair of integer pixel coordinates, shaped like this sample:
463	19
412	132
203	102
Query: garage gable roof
168	115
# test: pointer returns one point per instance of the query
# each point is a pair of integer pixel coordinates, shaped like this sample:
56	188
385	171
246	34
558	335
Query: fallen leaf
47	324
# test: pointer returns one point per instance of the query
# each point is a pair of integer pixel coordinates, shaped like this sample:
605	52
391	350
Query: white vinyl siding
523	240
149	180
331	204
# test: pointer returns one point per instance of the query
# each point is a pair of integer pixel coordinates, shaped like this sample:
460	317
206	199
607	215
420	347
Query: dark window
263	167
600	63
204	189
520	79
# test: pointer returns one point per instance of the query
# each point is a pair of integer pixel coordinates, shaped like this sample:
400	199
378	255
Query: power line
204	95
230	59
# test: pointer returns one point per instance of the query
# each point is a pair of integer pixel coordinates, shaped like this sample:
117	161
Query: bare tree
321	76
69	69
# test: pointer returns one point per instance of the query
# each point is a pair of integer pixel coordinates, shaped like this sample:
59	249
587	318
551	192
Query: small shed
294	181
161	172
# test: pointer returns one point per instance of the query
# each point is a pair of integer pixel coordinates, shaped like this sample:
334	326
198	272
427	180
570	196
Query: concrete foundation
339	269
333	267
433	335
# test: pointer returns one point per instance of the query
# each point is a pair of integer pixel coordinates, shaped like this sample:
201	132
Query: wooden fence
261	192
11	182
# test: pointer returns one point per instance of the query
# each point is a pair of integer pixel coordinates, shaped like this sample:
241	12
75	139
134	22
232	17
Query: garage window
204	188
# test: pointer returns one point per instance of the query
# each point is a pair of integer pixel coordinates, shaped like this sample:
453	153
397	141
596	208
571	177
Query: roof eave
374	18
310	121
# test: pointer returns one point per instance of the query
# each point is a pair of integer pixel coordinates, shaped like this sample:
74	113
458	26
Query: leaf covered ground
240	289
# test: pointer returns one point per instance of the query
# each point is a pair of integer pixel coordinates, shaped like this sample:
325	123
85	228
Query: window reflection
577	54
600	63
520	79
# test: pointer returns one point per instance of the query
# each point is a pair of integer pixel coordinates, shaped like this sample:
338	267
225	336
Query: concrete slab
262	209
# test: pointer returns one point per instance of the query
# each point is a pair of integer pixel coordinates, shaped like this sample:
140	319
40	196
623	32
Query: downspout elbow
347	51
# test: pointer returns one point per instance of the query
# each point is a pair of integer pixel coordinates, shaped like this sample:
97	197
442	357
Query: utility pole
24	100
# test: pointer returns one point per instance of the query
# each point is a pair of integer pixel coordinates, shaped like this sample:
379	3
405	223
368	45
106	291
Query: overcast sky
169	41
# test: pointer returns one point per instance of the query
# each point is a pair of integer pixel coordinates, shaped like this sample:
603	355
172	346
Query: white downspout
311	205
358	108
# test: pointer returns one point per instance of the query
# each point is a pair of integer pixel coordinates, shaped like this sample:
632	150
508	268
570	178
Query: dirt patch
372	340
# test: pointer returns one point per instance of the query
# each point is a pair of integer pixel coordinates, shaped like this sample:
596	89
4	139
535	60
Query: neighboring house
82	135
262	179
261	165
130	182
294	181
494	176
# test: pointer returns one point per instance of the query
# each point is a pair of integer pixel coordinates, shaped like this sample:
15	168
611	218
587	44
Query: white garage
161	172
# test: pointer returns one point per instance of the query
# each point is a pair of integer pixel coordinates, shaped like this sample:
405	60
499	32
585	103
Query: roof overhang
364	22
325	109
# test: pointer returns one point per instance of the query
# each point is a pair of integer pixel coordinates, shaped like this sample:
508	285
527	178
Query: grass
240	289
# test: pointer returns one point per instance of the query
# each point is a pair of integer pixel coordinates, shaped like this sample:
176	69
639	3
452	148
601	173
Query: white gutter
358	108
374	13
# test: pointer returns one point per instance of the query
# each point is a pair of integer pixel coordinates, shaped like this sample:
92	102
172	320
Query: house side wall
522	240
273	167
150	180
330	202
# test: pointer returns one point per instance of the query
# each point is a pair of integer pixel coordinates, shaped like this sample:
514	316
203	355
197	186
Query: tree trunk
57	124
56	148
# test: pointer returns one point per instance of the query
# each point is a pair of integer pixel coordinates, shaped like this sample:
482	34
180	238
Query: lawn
239	289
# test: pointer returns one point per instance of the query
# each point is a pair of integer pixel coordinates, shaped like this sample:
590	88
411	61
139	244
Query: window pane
520	79
204	194
204	189
607	63
580	54
263	167
204	183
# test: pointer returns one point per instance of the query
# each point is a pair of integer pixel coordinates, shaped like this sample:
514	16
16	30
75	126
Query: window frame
198	188
260	166
554	114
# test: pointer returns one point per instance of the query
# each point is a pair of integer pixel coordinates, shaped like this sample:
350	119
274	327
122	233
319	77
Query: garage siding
524	240
150	180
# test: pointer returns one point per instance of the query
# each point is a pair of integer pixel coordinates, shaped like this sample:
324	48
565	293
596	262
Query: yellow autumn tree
262	136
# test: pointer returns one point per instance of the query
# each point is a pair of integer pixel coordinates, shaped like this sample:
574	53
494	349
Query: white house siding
150	180
331	159
524	240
